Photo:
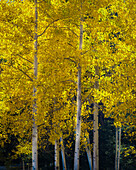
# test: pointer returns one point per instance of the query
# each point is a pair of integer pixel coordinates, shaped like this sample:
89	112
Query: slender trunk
63	154
89	156
119	148
57	164
57	167
34	128
95	128
23	165
116	149
78	124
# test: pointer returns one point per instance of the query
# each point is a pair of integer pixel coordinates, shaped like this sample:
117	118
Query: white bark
116	148
63	154
34	128
89	156
78	124
57	167
23	165
95	129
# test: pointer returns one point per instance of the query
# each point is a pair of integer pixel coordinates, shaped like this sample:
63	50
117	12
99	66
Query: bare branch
71	60
71	45
85	52
47	27
23	72
24	58
70	30
66	28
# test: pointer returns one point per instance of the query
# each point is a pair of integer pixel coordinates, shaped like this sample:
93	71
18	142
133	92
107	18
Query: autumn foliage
108	57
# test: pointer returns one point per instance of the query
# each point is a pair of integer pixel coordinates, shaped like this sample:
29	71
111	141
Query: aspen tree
78	123
34	128
15	76
89	155
116	149
63	154
57	49
57	161
88	150
95	129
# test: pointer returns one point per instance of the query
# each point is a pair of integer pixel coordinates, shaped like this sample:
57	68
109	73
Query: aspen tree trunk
57	167
89	156
57	164
95	128
63	154
23	165
34	128
78	124
116	149
119	148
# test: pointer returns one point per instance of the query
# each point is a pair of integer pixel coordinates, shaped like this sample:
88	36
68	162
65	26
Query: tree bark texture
23	165
57	165
116	148
34	127
95	128
78	123
89	156
63	154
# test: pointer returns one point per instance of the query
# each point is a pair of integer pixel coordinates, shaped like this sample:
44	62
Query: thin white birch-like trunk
95	128
116	149
89	155
23	165
34	128
57	166
119	148
63	154
78	124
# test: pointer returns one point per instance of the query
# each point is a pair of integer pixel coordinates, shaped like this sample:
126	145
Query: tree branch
71	60
47	27
70	30
71	45
23	73
24	58
66	28
85	52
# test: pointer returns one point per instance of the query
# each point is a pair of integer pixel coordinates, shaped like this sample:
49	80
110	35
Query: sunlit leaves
109	43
